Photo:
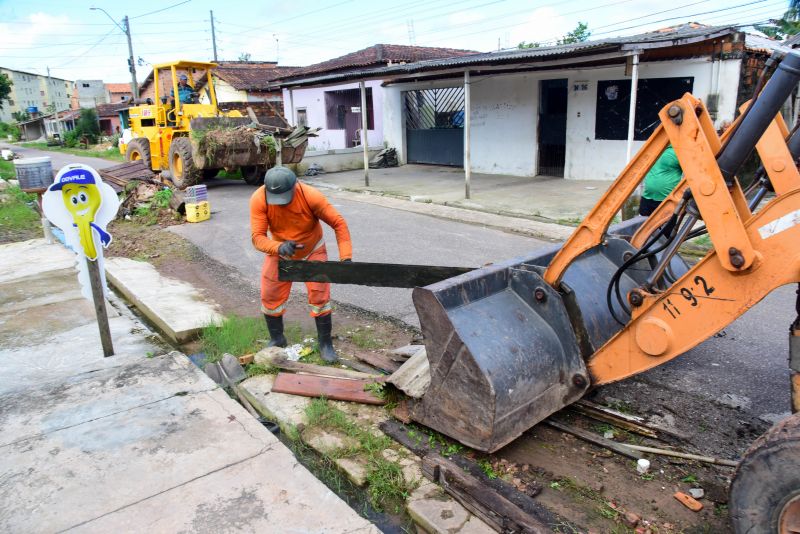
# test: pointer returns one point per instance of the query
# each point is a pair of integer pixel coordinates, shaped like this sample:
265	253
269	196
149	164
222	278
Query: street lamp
131	63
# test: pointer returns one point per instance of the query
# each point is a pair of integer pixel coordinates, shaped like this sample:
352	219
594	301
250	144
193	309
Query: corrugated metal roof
673	36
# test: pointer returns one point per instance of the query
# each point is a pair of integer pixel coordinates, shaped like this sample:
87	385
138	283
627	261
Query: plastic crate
198	212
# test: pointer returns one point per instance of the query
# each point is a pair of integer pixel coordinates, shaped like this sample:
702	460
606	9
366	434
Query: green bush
71	139
9	129
88	125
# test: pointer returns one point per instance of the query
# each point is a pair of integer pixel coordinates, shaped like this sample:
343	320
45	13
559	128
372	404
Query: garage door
435	126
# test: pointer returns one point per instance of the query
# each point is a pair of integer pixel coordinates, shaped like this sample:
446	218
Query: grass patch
387	488
112	153
487	468
256	369
7	170
18	220
364	339
237	335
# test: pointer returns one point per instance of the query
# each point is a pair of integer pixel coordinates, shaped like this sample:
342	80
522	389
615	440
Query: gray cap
183	77
280	182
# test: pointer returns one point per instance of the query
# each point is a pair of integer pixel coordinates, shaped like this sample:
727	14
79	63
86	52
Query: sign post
81	205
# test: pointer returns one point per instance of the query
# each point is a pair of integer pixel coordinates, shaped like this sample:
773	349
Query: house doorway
552	127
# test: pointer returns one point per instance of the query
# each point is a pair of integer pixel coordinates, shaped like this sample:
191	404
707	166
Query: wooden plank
366	274
323	370
330	388
417	442
601	415
600	441
480	499
379	361
359	366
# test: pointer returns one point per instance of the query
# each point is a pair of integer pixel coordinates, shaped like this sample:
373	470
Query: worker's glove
348	260
287	248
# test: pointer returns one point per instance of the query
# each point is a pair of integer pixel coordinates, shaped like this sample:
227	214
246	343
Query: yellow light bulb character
82	199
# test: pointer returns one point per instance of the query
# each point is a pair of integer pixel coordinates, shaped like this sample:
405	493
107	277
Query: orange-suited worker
284	222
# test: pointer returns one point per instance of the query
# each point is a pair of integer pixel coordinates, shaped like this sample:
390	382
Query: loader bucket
506	350
228	142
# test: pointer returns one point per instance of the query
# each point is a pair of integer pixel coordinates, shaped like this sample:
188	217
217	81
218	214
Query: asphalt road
60	159
746	365
379	235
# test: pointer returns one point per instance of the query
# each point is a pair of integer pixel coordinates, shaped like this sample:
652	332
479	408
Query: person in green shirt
660	181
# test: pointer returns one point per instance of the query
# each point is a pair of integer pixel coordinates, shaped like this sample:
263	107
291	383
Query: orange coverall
297	221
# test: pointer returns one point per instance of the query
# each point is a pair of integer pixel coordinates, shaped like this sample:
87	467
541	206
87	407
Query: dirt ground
589	486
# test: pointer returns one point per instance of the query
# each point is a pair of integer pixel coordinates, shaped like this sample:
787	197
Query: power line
160	10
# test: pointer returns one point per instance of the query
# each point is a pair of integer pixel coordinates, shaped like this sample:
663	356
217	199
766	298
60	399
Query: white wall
505	115
592	159
313	100
225	93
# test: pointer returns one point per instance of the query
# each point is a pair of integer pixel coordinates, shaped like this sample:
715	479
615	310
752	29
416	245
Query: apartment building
34	93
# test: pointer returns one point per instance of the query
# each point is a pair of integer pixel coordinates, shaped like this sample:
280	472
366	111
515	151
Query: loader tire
139	149
181	164
765	492
254	174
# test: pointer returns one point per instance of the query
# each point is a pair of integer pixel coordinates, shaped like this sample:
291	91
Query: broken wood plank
480	499
359	366
684	455
595	439
252	114
379	361
323	370
365	273
417	442
247	359
321	386
614	419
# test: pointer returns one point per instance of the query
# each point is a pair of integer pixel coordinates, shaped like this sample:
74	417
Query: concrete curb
476	214
176	308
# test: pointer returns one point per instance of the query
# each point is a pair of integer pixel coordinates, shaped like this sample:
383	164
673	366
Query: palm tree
785	26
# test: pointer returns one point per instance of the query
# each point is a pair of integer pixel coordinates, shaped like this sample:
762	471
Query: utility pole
213	35
131	60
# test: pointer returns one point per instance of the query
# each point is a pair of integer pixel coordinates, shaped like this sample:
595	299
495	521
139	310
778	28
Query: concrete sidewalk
129	443
544	198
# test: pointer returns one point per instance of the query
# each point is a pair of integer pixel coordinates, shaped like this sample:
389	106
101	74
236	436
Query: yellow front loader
192	141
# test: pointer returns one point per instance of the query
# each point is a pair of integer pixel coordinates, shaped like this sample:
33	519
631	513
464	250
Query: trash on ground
688	501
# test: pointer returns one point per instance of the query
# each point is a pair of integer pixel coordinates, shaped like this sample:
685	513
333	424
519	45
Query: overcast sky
78	43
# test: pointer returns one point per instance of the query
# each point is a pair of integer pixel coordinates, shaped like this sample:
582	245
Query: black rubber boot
275	327
324	327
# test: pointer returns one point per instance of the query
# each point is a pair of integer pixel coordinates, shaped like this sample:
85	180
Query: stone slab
355	469
288	411
177	309
36	256
437	516
327	442
414	376
267	493
32	412
97	459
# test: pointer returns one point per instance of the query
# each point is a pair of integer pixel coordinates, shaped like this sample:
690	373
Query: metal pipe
632	108
467	132
677	241
364	126
760	115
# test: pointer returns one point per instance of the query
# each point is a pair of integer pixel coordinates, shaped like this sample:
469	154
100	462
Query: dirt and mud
589	486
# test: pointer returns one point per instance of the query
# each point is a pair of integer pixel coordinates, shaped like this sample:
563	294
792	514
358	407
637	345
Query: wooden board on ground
595	439
323	370
380	361
486	503
118	176
331	388
495	501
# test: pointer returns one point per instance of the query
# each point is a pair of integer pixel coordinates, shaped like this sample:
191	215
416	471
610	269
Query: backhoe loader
191	140
511	343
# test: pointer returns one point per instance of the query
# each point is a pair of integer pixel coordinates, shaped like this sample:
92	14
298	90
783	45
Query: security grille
435	126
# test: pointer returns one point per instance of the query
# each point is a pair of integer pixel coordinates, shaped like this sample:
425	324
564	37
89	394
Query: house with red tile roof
336	107
118	92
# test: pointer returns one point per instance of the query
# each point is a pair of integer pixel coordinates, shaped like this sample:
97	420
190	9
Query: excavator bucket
506	350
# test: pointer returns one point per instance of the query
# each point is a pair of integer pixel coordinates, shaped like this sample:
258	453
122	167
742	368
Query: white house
336	107
557	111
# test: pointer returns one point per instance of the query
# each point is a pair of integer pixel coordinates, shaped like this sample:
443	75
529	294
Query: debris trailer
191	141
513	342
